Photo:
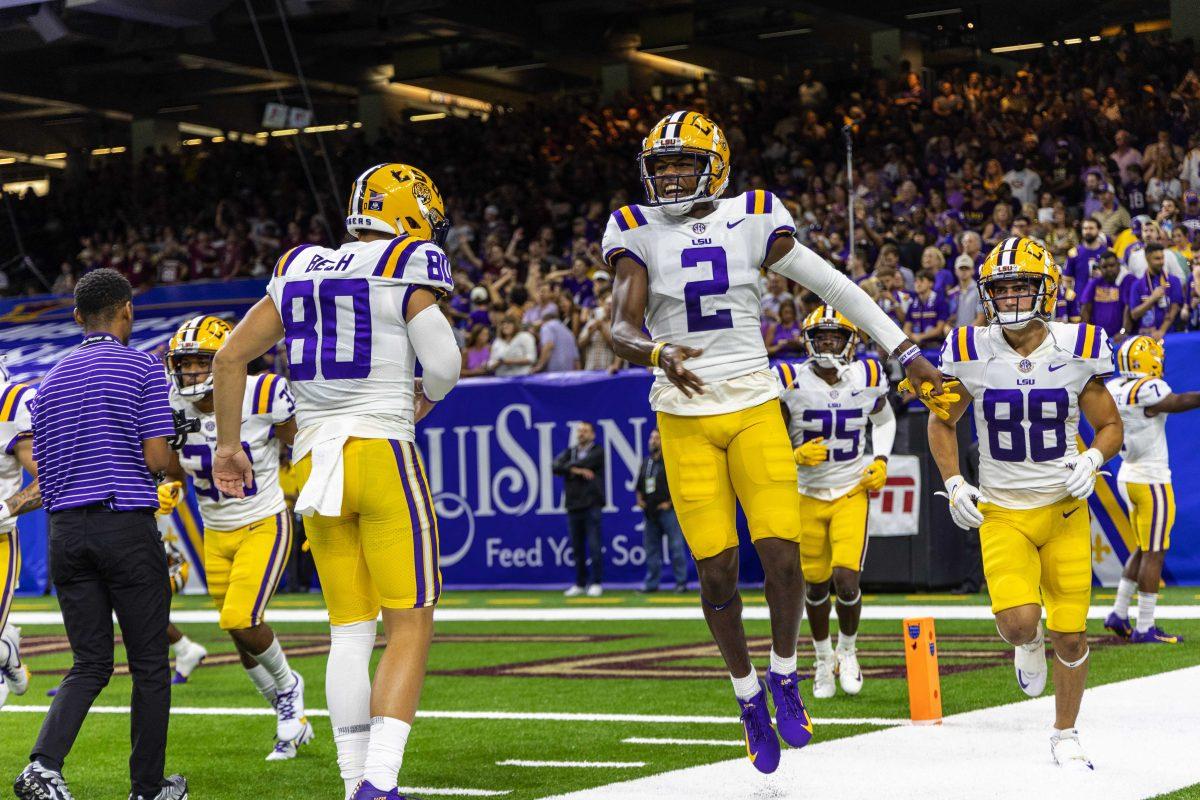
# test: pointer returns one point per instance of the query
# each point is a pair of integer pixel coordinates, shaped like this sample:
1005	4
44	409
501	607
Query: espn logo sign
896	508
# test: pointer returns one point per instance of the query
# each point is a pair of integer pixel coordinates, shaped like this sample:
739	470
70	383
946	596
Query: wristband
910	355
656	352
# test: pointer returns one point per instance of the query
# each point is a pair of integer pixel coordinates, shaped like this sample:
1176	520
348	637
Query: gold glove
939	404
874	476
812	452
169	495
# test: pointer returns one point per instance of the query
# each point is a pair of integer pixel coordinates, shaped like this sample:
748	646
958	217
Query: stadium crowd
1090	148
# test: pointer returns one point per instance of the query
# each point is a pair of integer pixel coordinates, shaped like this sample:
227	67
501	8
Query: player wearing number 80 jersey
687	265
355	321
1030	378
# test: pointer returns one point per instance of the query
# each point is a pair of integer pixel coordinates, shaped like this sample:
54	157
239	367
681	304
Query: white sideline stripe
686	742
611	614
454	792
513	762
991	754
517	716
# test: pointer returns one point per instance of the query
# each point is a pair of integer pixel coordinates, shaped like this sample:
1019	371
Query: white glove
1082	480
963	499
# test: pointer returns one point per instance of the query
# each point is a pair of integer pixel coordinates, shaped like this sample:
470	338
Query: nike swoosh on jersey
735	224
1054	367
1069	513
856	394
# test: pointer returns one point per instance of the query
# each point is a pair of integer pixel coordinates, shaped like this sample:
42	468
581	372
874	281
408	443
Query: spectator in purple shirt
925	323
783	338
1153	299
1086	255
1102	301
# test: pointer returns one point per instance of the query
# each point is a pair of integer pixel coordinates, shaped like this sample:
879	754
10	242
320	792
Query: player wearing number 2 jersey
687	266
1030	378
246	541
355	321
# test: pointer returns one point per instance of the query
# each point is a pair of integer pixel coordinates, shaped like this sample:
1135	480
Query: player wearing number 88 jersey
355	321
688	264
1030	378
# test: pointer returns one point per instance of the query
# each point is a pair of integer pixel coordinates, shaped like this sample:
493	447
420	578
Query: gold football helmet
199	336
396	199
827	318
1141	356
1017	258
682	134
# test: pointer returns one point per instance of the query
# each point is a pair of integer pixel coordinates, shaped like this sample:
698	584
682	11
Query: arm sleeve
154	406
433	341
817	275
884	434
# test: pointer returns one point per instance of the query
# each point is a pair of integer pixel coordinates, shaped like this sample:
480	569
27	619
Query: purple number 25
301	301
717	285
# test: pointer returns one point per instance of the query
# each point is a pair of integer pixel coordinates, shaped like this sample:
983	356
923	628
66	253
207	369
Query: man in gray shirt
559	351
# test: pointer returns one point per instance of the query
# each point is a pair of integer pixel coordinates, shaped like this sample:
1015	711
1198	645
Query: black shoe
37	782
174	788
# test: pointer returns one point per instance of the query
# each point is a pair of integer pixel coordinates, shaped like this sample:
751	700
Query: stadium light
945	12
1013	48
427	117
54	156
782	34
105	151
6	161
1073	41
286	132
192	142
669	66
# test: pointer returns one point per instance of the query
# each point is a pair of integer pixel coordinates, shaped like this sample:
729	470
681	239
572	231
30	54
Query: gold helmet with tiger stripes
827	318
1141	356
684	134
1019	258
397	199
200	336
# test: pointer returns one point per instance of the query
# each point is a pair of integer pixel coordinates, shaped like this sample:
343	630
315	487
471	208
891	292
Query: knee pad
817	601
852	601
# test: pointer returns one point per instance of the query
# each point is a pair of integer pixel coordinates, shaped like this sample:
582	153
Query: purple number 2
301	300
717	285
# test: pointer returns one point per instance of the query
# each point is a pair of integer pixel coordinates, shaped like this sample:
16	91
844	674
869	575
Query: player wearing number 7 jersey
355	321
1030	379
246	541
687	266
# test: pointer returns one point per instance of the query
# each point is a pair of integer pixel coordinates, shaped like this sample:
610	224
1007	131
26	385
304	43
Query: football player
246	539
16	439
826	407
688	266
1030	378
1144	400
355	321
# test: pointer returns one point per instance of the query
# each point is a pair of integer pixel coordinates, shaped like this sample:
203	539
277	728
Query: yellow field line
596	601
927	598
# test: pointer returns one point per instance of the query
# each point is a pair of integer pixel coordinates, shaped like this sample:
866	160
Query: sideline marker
921	662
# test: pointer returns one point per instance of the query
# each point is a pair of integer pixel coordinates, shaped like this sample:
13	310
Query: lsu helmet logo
397	199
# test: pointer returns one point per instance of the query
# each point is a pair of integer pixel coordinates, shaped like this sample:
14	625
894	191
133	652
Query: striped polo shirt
90	415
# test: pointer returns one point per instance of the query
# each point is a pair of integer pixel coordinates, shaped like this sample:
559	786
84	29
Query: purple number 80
299	305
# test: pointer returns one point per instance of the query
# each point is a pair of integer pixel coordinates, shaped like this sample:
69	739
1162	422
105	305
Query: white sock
746	687
276	663
824	647
262	681
847	642
783	666
348	694
1146	603
182	646
1125	590
385	753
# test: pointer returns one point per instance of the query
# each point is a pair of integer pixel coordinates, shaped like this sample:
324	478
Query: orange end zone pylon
921	661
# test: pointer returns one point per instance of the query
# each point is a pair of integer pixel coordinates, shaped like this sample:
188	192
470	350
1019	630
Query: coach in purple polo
101	423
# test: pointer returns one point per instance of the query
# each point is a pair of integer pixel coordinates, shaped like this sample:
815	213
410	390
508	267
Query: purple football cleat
1118	625
762	744
178	679
795	726
366	791
1155	635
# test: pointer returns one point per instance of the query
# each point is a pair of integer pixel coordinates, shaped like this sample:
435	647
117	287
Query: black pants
584	525
105	561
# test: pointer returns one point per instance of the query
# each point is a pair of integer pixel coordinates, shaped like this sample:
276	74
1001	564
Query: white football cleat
1029	662
574	591
595	590
291	725
187	661
15	674
1068	752
824	686
848	672
284	751
3	693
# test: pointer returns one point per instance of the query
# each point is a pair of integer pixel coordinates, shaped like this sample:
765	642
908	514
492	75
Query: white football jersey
347	343
704	289
15	424
837	413
1026	408
267	403
1144	451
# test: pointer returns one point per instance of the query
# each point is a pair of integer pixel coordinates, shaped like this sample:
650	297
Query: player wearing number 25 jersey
247	541
688	264
355	321
1030	378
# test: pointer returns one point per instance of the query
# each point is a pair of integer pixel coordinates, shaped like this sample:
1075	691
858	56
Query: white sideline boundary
991	754
612	614
516	762
509	716
453	792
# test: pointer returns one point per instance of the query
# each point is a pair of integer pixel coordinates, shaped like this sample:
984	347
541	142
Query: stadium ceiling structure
76	73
